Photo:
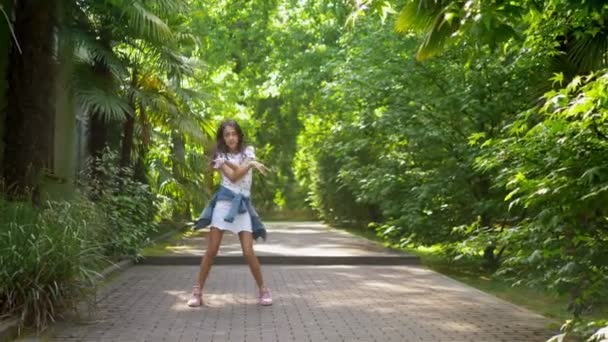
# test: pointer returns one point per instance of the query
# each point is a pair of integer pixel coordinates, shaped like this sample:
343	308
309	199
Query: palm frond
588	52
418	15
159	109
437	19
187	39
190	128
147	23
436	37
165	108
94	94
187	94
106	104
169	186
164	105
197	161
176	64
89	50
168	6
209	127
162	58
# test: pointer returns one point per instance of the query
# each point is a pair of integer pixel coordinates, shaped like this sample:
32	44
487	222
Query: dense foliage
480	126
493	148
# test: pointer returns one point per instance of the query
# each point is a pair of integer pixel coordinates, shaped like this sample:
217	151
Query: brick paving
312	303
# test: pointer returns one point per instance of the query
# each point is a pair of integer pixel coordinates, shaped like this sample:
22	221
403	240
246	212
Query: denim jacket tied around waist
240	204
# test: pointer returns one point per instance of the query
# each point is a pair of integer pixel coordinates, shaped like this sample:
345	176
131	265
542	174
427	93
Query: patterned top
243	185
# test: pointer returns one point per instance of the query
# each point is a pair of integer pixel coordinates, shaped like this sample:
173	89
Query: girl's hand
259	166
218	162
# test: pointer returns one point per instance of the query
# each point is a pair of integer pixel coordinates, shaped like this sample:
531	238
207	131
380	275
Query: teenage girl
230	209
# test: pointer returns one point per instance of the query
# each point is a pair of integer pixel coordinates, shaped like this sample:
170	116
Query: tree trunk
30	111
127	141
129	128
179	160
140	165
6	40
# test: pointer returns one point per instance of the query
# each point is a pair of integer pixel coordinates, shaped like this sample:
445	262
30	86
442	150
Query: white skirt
242	222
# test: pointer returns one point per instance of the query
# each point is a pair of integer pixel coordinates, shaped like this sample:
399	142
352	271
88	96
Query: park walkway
355	300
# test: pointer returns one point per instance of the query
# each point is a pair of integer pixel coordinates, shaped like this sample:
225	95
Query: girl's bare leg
214	240
252	260
246	238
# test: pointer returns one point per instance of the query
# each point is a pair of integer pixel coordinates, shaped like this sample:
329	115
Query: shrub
128	206
49	256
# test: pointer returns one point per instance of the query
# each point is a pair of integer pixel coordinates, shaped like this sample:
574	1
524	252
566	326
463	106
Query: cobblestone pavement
312	303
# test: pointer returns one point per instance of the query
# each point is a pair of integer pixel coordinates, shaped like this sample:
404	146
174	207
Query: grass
166	226
163	247
469	272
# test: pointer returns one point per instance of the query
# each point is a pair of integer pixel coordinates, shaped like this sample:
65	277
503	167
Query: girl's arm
220	160
230	164
238	171
235	172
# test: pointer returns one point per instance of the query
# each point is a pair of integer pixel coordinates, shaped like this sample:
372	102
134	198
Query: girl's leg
246	239
214	240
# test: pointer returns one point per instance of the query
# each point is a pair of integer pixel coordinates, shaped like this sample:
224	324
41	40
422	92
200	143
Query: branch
10	27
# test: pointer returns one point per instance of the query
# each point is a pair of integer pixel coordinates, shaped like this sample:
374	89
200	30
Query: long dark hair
220	145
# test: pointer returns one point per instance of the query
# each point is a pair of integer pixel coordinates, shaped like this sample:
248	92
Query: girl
230	208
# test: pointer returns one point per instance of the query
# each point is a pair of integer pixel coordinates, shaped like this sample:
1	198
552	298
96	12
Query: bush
553	162
49	257
128	206
581	330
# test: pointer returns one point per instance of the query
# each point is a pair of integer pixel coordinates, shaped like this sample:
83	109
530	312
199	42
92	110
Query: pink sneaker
197	298
265	297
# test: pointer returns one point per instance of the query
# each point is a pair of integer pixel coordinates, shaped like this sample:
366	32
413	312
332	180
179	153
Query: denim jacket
240	204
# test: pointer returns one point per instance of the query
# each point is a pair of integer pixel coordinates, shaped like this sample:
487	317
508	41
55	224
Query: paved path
300	243
312	303
289	239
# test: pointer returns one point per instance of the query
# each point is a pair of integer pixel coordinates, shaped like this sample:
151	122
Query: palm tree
137	84
100	27
185	131
128	78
